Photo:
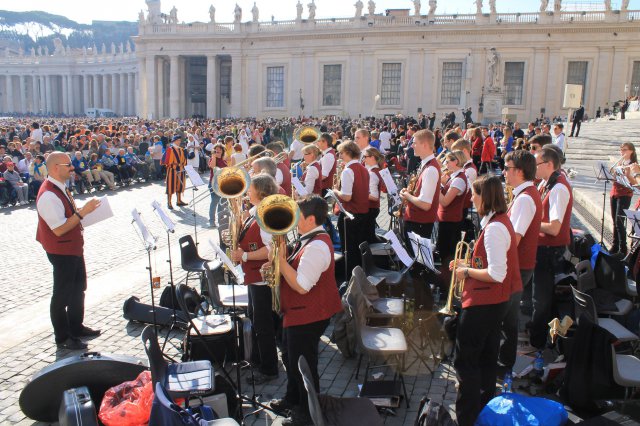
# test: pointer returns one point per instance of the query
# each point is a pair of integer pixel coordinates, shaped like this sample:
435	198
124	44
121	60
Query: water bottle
538	365
507	385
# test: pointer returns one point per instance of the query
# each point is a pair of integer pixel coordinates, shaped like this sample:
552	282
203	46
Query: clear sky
198	10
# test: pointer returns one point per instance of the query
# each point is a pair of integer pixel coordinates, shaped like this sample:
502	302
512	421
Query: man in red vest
554	237
308	299
525	213
60	233
328	161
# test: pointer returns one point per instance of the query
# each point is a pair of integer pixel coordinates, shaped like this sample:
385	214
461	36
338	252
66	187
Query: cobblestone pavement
116	265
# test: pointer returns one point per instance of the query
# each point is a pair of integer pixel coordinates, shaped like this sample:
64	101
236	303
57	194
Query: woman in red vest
621	199
308	298
494	270
312	176
373	161
253	252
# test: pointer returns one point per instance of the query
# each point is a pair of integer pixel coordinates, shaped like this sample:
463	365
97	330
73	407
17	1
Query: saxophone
411	186
338	175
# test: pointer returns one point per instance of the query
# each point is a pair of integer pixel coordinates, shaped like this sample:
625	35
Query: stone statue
312	10
493	69
121	48
298	11
58	47
141	17
607	5
492	7
128	47
94	49
112	48
33	52
478	7
237	14
372	7
39	50
557	6
103	49
255	12
543	5
433	4
173	15
624	5
154	15
46	51
212	14
416	7
359	7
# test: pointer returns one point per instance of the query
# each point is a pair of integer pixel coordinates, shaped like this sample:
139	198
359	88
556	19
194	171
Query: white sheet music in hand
399	249
422	246
102	212
235	270
164	217
194	177
300	189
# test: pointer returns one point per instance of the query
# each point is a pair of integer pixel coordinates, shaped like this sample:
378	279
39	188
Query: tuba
307	134
276	215
463	254
232	183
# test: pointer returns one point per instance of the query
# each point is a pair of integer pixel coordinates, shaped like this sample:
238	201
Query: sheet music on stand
422	246
164	217
634	217
332	194
602	172
401	252
236	270
194	177
392	188
148	239
300	189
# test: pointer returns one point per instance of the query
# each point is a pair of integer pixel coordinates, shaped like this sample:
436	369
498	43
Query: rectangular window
577	74
331	85
635	79
451	89
275	87
391	84
513	83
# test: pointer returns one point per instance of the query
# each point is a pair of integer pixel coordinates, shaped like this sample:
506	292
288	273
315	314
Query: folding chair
586	281
626	371
393	279
191	260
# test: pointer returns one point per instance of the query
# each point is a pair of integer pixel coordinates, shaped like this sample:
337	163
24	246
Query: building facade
370	64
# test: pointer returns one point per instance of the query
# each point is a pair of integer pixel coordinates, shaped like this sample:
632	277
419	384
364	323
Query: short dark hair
541	140
489	188
523	160
350	148
327	138
314	205
275	147
557	159
256	149
265	185
451	135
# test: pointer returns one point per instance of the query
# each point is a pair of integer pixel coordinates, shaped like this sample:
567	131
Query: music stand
196	181
603	175
149	242
347	216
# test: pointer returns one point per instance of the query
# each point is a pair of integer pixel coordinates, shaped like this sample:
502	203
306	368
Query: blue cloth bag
512	409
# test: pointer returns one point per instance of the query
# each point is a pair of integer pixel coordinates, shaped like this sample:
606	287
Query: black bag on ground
581	244
77	408
433	414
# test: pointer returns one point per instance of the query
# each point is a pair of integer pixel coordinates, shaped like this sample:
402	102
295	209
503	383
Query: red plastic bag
129	403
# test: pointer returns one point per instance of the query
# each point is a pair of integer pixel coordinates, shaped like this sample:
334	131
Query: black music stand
347	216
195	183
149	242
603	175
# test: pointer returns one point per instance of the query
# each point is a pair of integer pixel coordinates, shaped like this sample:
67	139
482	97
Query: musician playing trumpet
489	280
621	197
252	253
312	176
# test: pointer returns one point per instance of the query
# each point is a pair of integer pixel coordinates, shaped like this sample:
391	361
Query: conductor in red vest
308	299
60	233
489	280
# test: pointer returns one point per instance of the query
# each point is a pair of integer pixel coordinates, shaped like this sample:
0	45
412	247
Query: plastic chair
181	380
626	371
586	281
190	259
583	305
393	279
221	295
382	307
610	274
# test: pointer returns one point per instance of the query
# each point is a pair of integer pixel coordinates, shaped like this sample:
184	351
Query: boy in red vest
308	299
60	233
328	161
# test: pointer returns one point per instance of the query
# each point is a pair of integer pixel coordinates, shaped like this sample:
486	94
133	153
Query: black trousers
576	126
448	236
510	324
423	229
301	340
67	300
476	359
355	234
263	353
618	204
371	225
547	263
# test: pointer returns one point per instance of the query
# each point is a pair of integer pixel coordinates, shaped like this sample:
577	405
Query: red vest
327	183
71	243
317	185
564	236
412	213
477	292
529	241
376	204
467	199
359	202
453	212
618	190
320	303
250	240
286	178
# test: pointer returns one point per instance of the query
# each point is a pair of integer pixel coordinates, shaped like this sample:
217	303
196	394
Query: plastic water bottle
538	365
507	385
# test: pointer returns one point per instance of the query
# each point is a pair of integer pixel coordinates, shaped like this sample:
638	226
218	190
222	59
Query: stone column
174	88
123	94
161	88
70	95
85	93
114	92
212	86
131	87
48	83
43	96
96	91
236	85
23	94
65	93
105	91
9	90
35	104
151	87
141	92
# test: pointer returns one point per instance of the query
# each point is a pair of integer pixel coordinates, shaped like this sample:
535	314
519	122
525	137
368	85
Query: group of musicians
536	221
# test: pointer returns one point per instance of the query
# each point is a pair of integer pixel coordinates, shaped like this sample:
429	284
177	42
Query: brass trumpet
463	254
277	215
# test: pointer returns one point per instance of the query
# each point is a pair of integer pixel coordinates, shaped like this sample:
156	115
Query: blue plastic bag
512	409
595	251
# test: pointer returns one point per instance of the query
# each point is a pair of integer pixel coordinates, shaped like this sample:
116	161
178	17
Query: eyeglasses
367	156
533	148
509	167
65	164
542	162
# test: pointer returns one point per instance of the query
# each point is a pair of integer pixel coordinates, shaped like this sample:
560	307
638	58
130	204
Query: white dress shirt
430	181
346	179
23	165
471	173
50	207
559	141
458	183
327	161
558	202
523	209
496	243
373	183
296	149
311	176
279	177
385	141
316	258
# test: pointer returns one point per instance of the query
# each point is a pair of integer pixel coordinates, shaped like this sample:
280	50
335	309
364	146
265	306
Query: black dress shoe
181	204
72	343
87	332
169	206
